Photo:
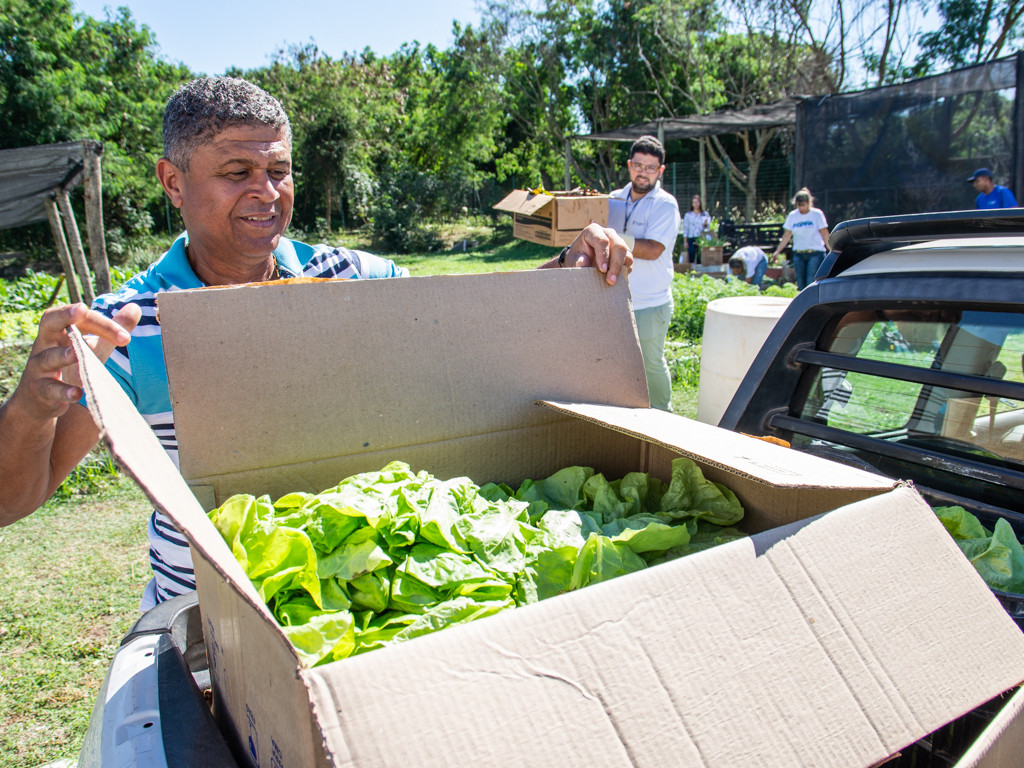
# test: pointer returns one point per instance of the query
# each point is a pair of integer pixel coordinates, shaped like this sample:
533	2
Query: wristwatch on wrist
562	255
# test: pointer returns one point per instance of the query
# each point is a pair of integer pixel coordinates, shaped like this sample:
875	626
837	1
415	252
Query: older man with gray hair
227	167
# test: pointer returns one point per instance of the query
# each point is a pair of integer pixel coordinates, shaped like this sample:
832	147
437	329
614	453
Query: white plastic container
735	328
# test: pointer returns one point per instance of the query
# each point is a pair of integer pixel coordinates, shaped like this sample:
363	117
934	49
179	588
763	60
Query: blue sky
210	35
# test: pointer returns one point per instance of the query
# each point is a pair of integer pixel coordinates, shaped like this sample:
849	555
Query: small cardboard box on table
712	255
846	628
552	218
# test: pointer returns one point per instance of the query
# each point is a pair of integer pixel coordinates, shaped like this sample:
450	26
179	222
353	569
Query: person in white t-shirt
809	231
651	226
749	263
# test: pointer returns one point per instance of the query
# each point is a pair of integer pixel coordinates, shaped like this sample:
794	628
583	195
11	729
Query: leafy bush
683	361
22	301
685	334
19	326
692	295
398	212
31	292
785	290
766	212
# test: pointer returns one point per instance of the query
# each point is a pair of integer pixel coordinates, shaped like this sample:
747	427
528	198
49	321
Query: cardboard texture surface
834	641
776	485
782	650
540	231
375	368
552	219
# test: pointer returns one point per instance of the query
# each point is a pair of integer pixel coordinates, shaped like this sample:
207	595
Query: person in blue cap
991	195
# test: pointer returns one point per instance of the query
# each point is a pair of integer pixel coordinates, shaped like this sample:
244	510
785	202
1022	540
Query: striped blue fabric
139	369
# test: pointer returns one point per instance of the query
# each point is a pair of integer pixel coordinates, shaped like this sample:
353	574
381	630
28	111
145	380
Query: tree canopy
391	141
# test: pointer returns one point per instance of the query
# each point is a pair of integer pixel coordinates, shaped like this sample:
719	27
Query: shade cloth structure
780	113
34	186
898	149
909	148
29	175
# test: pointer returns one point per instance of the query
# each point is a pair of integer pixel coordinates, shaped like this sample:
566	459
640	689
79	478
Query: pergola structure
778	114
35	183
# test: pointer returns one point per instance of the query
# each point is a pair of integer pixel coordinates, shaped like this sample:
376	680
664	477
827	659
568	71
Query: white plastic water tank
734	330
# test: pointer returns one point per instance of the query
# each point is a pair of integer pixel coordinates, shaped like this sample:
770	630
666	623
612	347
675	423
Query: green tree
971	31
681	57
537	58
66	77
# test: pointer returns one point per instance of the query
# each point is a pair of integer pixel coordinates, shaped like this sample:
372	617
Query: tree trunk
748	209
327	188
703	177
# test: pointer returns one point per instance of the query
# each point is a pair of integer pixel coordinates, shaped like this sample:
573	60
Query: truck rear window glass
900	407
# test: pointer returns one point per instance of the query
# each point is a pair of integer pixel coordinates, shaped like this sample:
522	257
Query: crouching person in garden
749	264
227	167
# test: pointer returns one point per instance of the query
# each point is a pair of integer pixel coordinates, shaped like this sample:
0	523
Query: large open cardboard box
847	628
552	218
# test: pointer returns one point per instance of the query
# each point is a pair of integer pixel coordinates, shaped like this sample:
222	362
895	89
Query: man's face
644	171
236	197
983	184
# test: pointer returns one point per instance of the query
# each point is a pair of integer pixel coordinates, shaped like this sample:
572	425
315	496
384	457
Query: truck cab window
902	402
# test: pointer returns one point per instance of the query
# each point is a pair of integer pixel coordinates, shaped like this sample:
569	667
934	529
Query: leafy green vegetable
601	559
689	494
386	556
961	524
997	555
323	638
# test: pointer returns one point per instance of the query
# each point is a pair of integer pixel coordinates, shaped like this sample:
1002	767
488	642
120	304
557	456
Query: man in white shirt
651	225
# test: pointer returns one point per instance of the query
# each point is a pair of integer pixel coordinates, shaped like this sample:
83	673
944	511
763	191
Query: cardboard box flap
834	642
760	461
523	201
135	447
374	366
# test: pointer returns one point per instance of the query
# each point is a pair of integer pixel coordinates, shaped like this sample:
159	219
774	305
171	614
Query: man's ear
172	180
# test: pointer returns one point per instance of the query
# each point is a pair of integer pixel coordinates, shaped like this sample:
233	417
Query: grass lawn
72	574
516	255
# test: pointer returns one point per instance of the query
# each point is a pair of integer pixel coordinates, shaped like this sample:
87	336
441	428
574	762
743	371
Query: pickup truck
903	357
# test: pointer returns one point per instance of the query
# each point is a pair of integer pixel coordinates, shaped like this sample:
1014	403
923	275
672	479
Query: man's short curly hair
648	145
202	108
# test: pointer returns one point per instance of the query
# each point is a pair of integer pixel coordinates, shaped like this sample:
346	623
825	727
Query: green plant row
691	296
32	292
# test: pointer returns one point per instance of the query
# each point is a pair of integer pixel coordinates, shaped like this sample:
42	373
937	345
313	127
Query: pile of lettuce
385	556
997	554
